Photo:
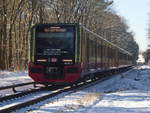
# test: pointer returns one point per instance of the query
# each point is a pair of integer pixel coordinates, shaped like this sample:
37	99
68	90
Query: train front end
53	54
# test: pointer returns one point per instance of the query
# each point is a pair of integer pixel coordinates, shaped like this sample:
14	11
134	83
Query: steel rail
18	95
33	101
16	85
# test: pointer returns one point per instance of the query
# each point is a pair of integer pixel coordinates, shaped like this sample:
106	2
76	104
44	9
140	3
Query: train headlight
54	59
41	60
67	61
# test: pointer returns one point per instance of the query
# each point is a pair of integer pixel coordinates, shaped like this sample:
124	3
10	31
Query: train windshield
55	40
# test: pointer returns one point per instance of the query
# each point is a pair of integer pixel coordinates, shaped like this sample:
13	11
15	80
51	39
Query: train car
147	56
67	53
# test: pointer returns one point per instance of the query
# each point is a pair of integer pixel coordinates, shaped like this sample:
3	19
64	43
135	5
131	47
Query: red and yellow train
67	53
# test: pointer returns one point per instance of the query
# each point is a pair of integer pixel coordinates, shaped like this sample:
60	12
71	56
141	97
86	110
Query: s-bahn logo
53	59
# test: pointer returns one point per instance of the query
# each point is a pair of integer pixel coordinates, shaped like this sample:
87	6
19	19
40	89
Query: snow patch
9	78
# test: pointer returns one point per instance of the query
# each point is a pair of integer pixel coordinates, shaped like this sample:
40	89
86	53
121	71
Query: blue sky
136	14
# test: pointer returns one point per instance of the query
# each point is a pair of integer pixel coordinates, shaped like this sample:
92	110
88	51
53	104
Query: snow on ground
128	92
8	78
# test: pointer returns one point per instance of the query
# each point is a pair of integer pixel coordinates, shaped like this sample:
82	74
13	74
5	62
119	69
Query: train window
110	53
105	51
93	49
99	53
90	49
64	41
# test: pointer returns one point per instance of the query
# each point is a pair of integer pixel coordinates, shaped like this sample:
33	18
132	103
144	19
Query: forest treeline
148	31
18	16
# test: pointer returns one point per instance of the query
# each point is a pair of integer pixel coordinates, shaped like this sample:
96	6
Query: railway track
20	94
16	85
7	94
13	102
52	91
31	101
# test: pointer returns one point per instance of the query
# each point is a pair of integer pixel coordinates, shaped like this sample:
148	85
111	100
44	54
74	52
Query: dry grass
85	101
90	99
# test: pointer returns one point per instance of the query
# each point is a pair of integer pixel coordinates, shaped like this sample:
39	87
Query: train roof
44	24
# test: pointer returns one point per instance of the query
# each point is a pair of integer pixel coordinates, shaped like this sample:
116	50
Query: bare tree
18	16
